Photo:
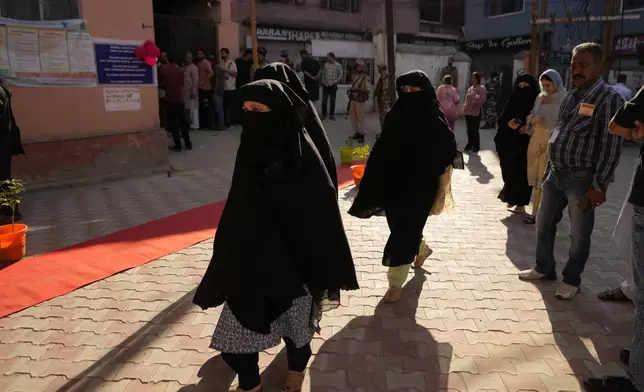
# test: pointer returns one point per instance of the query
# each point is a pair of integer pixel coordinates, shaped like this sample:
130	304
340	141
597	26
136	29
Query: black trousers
230	111
178	123
329	92
473	123
247	365
205	109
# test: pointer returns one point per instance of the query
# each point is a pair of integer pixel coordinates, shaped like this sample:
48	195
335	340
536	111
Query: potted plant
350	154
13	237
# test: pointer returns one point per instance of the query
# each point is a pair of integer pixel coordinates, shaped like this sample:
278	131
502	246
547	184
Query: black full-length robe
402	174
512	145
281	229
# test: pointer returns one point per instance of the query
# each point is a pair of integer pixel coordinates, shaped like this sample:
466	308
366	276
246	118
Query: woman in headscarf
312	123
512	144
543	118
402	175
282	201
448	99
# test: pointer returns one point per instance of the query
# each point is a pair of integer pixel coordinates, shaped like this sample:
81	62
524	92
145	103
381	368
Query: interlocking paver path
465	322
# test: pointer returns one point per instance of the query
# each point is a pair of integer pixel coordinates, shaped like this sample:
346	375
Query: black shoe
624	355
468	148
323	117
188	146
609	384
475	149
175	149
332	117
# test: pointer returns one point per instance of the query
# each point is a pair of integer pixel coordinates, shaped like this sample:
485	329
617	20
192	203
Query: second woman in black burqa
285	74
281	202
512	142
401	179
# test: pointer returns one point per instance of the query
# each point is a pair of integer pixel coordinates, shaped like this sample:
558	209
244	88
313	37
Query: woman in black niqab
402	175
512	144
285	74
282	204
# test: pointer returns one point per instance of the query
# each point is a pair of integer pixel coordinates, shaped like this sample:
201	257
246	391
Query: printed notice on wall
56	53
122	99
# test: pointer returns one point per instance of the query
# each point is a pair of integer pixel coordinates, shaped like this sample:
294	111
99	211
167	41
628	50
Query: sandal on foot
392	295
613	295
293	382
422	256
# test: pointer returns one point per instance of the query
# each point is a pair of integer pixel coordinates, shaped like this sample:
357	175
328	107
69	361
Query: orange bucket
358	172
13	245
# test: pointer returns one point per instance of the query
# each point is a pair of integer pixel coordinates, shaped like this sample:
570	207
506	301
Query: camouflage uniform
382	97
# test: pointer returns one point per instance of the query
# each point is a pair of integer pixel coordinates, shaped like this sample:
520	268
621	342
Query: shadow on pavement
585	331
478	169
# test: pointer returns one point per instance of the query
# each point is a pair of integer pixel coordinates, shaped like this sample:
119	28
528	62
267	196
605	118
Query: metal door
177	35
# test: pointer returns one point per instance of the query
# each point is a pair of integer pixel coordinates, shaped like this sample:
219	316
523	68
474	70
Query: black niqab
283	73
403	170
281	227
512	145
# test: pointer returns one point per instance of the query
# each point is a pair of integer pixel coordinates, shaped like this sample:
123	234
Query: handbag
444	199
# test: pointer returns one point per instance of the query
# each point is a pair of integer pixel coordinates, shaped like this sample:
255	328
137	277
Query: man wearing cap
381	96
359	95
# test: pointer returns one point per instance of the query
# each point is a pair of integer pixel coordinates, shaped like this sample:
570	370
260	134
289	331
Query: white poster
122	99
47	53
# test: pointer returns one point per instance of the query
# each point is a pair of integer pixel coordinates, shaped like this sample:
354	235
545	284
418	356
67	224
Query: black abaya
281	227
312	123
512	145
403	170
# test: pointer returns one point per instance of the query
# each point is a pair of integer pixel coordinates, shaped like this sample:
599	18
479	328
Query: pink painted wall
63	112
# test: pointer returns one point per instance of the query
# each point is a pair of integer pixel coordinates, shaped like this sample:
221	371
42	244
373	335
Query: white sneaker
531	274
566	291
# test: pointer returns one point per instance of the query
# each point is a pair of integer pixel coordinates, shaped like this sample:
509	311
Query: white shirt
624	91
229	84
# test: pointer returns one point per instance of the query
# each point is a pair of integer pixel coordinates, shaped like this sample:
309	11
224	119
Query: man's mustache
578	76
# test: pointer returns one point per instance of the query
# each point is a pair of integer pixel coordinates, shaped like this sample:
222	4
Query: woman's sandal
613	295
392	295
422	256
293	382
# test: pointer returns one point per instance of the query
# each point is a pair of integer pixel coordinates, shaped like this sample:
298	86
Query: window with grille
40	9
348	67
502	7
341	5
630	5
431	10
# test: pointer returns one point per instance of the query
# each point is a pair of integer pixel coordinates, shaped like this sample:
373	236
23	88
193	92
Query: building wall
69	136
310	16
46	113
478	26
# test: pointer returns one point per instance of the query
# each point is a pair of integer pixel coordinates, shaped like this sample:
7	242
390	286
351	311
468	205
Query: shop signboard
292	35
515	44
627	45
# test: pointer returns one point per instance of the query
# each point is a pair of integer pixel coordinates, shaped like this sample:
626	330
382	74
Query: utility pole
610	9
534	57
253	32
391	54
542	43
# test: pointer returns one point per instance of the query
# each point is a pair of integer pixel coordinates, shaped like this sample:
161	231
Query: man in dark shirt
175	110
311	70
629	123
244	64
583	156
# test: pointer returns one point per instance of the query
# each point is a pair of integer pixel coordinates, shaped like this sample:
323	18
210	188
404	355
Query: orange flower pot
358	172
13	245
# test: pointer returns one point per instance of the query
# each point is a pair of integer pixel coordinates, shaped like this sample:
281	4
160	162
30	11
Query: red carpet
32	281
